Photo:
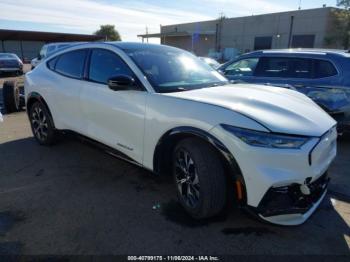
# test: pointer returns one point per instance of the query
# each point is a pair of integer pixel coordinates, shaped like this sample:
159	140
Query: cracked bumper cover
288	205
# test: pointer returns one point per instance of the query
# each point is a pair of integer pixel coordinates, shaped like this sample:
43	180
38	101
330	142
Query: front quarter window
171	70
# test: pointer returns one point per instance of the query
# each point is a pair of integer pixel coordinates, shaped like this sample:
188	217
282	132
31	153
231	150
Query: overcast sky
130	16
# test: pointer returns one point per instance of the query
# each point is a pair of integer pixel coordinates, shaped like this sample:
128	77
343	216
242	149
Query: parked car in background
47	50
210	61
323	75
164	109
10	63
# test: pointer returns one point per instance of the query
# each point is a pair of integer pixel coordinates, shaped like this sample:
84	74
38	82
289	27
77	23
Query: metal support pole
290	31
21	45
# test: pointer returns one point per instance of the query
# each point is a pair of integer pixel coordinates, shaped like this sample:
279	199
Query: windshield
172	70
8	56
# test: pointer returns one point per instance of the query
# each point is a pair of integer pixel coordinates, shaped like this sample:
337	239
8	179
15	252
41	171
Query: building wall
26	50
240	33
199	45
183	42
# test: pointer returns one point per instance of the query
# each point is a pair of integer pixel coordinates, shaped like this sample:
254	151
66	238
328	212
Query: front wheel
199	178
42	124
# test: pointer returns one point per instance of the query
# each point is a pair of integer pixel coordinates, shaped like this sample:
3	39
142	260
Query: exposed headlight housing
264	139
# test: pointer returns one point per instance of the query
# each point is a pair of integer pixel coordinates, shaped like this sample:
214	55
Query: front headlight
264	139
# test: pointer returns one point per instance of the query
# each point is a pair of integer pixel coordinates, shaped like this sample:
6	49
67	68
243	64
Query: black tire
10	92
42	124
207	166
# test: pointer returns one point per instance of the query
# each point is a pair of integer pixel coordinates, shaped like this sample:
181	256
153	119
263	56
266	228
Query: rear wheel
199	178
42	124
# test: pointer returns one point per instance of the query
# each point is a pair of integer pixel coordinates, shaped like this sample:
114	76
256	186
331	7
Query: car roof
64	43
309	51
144	46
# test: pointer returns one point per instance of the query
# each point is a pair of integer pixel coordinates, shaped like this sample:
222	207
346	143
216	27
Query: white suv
164	109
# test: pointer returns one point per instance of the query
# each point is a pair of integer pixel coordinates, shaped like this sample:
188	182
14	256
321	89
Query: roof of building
6	34
170	34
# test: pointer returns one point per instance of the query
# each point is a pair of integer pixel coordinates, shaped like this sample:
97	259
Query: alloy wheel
187	178
39	123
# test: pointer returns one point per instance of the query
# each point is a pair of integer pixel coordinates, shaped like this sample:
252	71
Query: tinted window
105	64
324	69
71	64
300	68
243	67
272	67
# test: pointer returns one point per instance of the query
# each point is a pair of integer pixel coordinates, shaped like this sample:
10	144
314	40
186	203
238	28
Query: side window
324	68
272	67
105	64
244	67
51	64
71	64
301	68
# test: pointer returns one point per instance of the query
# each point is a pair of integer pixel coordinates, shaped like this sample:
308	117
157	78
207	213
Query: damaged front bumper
292	204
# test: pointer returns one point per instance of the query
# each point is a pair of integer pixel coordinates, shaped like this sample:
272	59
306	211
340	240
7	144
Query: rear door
115	118
284	71
67	79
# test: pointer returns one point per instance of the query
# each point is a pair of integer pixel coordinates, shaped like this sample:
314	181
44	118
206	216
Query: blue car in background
322	75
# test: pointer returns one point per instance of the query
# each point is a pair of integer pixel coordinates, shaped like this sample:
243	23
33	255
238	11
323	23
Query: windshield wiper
177	89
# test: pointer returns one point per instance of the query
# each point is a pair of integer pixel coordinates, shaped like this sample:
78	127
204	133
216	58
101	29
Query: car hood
278	109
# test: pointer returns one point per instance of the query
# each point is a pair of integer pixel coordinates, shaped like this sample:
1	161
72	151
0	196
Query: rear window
8	56
71	64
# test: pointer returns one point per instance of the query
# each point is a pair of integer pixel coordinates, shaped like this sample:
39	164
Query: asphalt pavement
72	198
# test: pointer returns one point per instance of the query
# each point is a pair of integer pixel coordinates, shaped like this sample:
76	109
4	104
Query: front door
115	118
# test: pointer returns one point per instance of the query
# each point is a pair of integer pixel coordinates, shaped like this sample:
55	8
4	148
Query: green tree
339	34
343	3
109	33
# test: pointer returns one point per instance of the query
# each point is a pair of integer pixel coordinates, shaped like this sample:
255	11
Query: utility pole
299	5
147	33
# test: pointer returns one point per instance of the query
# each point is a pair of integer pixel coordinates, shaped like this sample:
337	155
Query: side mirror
39	57
121	82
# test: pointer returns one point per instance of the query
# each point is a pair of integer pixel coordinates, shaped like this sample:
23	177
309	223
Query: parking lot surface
72	198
